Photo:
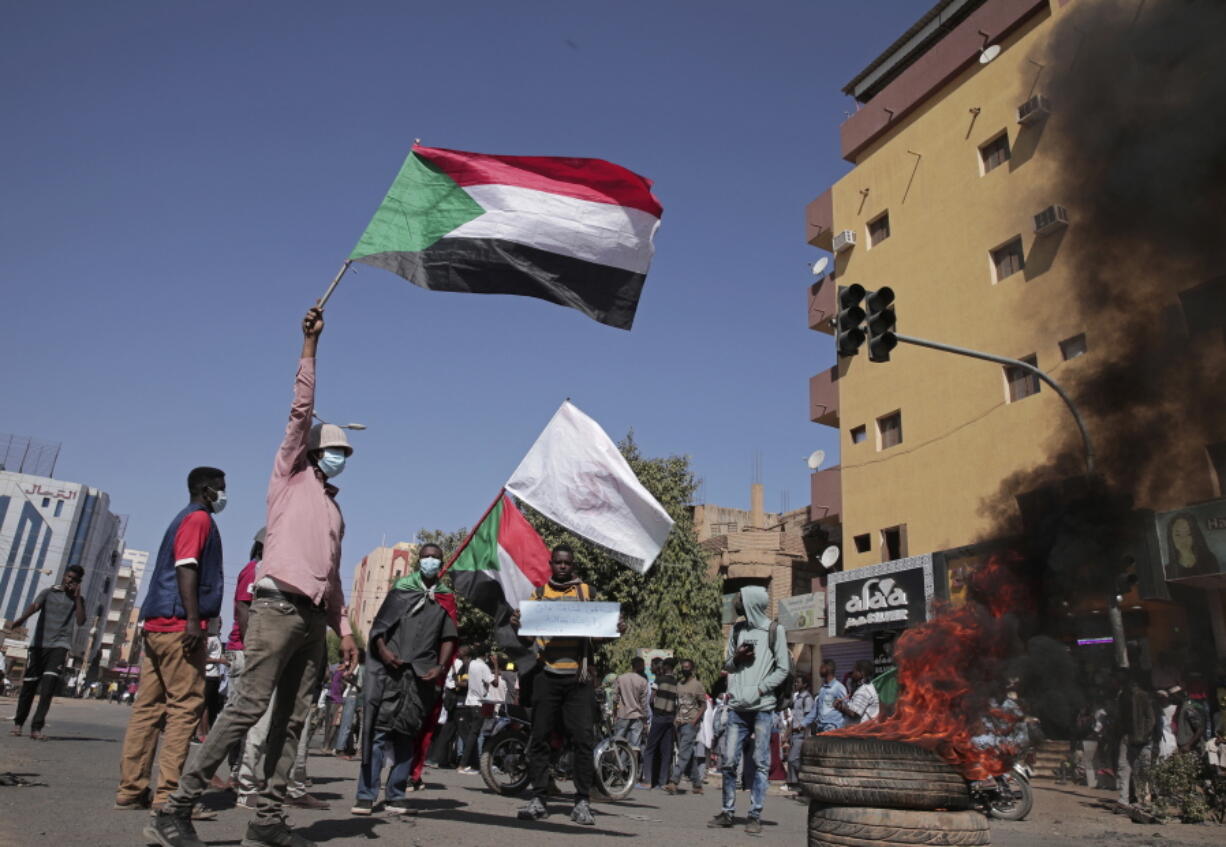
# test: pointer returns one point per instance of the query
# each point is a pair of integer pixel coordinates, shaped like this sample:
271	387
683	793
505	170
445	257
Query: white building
46	525
123	599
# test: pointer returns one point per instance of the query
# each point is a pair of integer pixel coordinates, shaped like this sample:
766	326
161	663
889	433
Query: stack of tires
864	792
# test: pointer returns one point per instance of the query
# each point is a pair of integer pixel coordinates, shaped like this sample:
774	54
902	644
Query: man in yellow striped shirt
562	695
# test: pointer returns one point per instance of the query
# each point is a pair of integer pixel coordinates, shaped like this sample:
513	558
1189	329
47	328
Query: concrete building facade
46	525
123	600
955	202
372	580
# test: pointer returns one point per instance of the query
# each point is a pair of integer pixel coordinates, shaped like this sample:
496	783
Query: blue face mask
429	566
332	462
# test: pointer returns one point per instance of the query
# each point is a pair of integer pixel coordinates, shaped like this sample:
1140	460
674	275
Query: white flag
575	475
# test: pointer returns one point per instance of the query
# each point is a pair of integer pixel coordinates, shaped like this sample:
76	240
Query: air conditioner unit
1033	110
1051	219
844	240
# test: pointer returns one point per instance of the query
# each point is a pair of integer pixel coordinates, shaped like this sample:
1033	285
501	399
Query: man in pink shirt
297	597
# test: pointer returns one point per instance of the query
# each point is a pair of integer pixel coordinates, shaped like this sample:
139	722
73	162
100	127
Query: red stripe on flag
523	545
586	179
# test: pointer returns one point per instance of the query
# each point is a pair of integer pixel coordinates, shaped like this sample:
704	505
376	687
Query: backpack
783	691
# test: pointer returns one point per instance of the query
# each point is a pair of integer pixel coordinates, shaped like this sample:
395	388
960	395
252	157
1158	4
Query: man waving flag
577	232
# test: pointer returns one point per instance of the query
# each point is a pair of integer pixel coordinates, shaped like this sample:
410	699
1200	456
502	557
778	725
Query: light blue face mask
219	504
332	462
429	566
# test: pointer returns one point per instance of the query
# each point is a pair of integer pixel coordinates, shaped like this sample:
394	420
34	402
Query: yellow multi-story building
956	202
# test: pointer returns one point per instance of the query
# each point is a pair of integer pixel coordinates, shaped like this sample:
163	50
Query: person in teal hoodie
755	664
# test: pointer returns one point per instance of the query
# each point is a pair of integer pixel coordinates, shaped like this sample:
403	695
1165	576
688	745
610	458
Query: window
859	434
894	543
1021	383
46	502
59	507
889	431
1071	348
878	230
995	153
1007	259
863	543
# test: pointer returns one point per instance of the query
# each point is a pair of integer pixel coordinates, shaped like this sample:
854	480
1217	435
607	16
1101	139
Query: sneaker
642	786
203	813
582	814
533	811
247	801
306	801
697	789
721	821
172	831
400	807
753	826
671	788
274	835
140	802
468	771
362	807
417	785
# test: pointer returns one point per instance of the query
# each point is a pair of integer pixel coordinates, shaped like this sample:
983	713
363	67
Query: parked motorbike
504	759
1007	796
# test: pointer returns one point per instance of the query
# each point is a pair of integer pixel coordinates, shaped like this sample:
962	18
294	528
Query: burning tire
841	826
890	774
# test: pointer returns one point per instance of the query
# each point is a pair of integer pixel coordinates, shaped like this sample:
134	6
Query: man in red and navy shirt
185	593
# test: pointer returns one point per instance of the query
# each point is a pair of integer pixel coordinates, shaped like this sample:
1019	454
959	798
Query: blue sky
182	180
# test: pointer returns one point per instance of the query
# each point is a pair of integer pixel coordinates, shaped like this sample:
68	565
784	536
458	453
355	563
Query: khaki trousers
168	706
283	666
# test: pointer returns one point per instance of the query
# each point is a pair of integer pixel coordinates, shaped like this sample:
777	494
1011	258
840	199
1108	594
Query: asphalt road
78	767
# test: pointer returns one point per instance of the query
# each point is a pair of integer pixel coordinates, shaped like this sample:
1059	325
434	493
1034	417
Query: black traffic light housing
849	330
881	321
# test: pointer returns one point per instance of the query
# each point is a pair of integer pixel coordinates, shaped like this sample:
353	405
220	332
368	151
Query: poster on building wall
889	596
1192	540
883	652
804	611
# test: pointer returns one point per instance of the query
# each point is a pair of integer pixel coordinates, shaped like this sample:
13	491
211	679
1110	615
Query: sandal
35	735
15	731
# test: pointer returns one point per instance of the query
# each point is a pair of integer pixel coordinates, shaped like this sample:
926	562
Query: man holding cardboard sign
562	693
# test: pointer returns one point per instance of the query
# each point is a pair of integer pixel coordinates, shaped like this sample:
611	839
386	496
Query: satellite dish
989	53
819	266
830	557
815	459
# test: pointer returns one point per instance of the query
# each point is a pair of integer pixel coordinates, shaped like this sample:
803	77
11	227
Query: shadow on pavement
557	823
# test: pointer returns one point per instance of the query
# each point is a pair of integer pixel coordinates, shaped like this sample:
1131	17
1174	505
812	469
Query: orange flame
947	669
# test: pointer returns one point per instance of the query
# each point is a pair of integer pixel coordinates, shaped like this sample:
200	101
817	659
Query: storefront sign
889	596
1192	541
804	611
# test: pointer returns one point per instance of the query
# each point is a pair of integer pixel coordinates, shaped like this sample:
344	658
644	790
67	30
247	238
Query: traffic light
880	322
849	332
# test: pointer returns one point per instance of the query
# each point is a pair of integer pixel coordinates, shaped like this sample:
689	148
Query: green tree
676	605
476	627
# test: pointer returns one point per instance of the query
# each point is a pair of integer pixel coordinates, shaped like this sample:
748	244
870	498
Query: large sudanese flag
577	232
502	562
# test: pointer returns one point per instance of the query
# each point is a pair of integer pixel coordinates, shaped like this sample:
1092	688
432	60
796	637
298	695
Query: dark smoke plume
1138	137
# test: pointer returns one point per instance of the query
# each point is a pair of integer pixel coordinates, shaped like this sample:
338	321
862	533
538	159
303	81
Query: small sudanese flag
503	561
577	232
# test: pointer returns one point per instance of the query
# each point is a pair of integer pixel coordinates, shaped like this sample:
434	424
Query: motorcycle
504	758
1007	796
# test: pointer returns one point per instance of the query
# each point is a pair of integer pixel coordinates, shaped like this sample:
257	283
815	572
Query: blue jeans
630	729
689	761
346	728
402	747
741	725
